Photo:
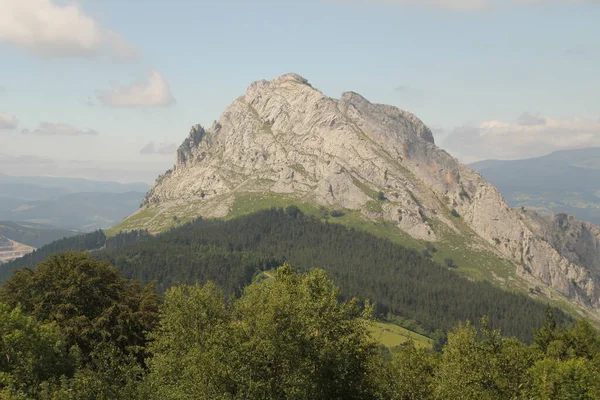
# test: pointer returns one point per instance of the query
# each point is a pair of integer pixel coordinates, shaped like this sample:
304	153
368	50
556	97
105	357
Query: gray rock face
285	137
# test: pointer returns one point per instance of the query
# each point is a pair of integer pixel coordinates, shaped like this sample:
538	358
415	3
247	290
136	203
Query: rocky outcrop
285	137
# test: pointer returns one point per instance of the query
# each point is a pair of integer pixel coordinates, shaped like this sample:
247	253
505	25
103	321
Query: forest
73	328
404	284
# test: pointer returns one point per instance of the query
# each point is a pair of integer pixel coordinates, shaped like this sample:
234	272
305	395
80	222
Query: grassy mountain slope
401	281
464	250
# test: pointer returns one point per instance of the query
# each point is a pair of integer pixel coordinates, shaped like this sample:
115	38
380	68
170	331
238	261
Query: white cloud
162	149
47	29
529	136
154	91
59	129
8	121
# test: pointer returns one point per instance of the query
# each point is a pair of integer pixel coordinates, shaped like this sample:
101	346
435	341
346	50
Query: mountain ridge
563	181
284	137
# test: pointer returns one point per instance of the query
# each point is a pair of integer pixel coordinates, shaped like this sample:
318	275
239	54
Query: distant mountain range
67	203
34	235
566	181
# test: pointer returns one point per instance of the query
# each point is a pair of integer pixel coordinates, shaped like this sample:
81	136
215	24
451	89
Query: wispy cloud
152	92
527	119
528	136
577	51
162	149
24	160
465	5
59	129
449	4
8	121
403	89
51	29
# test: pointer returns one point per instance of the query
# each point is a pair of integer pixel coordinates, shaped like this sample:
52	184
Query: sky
107	89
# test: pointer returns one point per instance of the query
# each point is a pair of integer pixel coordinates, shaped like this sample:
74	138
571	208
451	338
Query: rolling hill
74	204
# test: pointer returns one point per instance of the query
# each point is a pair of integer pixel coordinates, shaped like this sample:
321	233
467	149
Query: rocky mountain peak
285	140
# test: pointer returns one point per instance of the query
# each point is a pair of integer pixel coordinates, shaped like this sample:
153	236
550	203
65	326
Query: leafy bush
336	213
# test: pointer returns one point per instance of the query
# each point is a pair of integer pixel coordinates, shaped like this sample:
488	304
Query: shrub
336	213
323	212
292	211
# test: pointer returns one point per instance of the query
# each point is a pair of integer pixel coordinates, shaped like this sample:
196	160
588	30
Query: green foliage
288	336
107	374
410	374
392	336
87	299
337	213
323	212
31	352
89	241
400	281
373	206
565	380
479	364
449	263
285	338
454	213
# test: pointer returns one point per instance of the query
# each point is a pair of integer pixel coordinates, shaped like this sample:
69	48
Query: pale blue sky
470	74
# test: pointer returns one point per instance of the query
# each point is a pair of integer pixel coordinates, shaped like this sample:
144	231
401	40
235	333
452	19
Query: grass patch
373	206
364	188
248	203
392	335
389	334
138	220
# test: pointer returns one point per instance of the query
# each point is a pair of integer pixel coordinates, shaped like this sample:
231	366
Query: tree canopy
73	329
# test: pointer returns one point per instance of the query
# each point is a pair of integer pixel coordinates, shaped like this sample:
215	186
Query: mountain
285	142
68	203
567	181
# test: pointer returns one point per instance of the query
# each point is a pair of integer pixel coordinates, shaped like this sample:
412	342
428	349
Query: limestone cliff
287	138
